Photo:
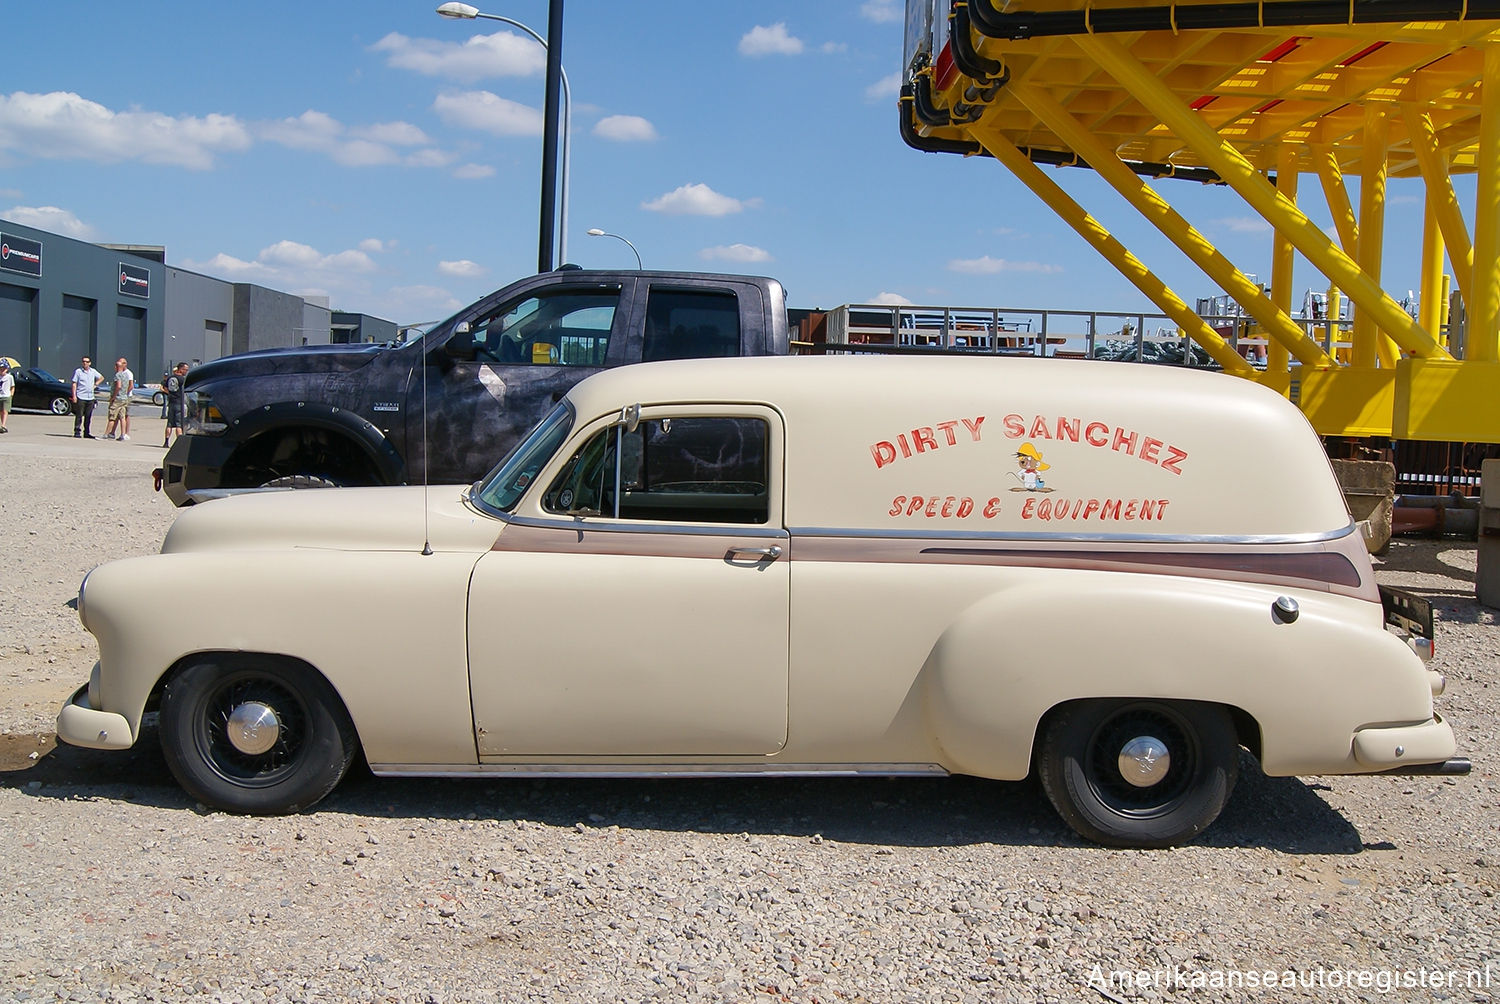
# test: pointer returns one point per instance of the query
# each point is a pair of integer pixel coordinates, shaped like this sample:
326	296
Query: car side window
691	324
559	328
687	470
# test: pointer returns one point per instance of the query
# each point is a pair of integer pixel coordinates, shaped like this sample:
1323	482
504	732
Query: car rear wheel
61	406
159	398
255	734
1129	773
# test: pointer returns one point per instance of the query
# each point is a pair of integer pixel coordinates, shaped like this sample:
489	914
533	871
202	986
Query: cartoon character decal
1029	460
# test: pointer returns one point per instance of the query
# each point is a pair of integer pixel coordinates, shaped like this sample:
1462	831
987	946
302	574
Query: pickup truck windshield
504	486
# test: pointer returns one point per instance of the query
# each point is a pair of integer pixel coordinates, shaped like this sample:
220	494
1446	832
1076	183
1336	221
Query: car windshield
43	375
503	487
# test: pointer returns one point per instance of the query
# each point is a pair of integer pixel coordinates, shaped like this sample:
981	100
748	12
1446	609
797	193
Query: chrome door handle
758	553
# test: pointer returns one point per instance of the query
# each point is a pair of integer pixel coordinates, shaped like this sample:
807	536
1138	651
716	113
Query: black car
36	388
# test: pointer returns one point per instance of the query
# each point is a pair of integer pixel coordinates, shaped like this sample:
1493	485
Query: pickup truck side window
560	328
679	470
691	324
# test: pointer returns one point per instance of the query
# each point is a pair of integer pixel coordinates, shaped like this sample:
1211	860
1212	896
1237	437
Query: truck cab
445	406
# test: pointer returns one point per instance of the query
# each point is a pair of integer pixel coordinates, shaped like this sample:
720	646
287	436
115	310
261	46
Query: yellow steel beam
1339	207
1432	274
1482	342
1369	342
1241	175
1441	200
1283	258
1155	209
1094	232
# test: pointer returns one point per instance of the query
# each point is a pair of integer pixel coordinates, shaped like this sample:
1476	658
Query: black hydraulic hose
922	104
1052	158
981	68
1278	13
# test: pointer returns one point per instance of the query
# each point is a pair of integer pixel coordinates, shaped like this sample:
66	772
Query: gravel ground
115	887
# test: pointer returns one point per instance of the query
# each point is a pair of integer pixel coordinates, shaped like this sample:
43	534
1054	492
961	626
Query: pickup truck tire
1115	789
300	481
255	734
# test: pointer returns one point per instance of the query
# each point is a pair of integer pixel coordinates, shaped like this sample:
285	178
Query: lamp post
555	75
602	233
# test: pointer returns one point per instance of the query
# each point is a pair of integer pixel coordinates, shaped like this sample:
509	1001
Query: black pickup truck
446	406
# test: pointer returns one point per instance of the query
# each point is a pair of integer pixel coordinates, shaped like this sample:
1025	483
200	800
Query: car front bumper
81	724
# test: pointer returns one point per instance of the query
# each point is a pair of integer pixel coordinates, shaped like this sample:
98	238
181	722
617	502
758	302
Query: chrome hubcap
1144	761
253	728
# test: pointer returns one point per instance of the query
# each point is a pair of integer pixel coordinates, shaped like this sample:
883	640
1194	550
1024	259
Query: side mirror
460	346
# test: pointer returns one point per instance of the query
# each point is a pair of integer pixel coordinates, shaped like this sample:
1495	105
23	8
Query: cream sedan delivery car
1113	576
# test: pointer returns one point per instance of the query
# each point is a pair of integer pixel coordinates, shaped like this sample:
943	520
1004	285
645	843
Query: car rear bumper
1409	749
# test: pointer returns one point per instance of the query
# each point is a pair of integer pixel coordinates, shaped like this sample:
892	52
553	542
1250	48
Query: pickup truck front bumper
193	463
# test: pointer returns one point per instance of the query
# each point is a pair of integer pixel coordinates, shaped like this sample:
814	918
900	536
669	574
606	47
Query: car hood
303	359
335	519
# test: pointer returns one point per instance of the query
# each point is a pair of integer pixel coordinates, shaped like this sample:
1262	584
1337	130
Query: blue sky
388	158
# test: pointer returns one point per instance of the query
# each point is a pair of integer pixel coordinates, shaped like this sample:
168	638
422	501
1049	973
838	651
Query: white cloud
362	146
503	54
743	253
891	299
831	48
1243	225
52	219
294	266
625	128
992	266
695	200
471	172
463	268
63	125
416	304
881	11
884	88
373	245
770	40
488	113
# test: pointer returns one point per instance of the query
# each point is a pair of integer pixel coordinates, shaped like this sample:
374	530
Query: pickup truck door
523	349
658	627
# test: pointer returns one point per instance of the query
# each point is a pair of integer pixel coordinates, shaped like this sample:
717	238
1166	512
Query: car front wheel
61	406
255	734
1130	773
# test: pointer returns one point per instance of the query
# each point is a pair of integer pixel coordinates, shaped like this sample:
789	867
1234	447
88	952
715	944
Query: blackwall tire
1117	790
255	734
300	481
60	406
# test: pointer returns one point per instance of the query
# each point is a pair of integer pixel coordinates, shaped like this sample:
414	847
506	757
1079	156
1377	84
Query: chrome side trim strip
656	770
593	525
1090	538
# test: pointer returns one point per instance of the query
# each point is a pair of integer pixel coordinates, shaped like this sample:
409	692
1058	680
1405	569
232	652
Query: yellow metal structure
1251	95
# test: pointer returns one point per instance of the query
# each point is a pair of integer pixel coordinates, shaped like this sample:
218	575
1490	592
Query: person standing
120	386
175	384
7	391
86	381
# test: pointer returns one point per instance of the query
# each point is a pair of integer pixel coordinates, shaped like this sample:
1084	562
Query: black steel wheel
1130	773
255	734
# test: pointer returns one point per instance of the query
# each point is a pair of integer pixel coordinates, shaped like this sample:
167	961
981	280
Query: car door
502	367
643	609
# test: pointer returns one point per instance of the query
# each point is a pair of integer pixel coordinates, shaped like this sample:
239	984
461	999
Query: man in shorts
175	386
120	386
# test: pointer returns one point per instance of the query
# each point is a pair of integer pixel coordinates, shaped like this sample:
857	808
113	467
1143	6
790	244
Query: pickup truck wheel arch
1138	773
310	440
253	733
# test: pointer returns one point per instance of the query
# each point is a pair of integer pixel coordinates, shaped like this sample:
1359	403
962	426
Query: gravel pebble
116	887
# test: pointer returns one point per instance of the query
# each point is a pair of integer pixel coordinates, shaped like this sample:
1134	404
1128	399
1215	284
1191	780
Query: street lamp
465	12
601	233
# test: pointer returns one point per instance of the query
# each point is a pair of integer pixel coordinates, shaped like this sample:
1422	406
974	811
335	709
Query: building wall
76	306
200	318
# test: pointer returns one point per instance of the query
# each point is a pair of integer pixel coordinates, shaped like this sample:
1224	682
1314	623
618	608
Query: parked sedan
36	388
